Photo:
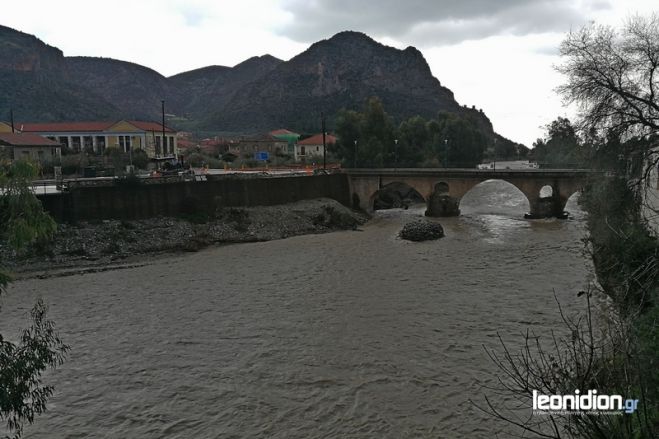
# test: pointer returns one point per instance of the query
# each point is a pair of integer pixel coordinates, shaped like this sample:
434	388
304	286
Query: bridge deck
468	172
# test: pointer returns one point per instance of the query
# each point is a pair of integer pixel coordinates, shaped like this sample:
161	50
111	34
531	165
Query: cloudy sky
495	54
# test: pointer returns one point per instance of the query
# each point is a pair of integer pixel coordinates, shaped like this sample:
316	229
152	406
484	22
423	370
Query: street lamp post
445	152
355	158
495	154
396	155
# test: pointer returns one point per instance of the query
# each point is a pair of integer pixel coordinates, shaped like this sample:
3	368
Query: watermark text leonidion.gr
591	403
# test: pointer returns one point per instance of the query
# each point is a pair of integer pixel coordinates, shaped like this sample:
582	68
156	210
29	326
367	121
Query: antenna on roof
11	117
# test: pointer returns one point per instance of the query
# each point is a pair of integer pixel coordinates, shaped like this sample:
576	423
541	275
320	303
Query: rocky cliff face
136	90
209	89
257	95
21	52
35	83
341	72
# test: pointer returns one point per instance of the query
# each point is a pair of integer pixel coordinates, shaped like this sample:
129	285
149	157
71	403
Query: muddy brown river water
352	334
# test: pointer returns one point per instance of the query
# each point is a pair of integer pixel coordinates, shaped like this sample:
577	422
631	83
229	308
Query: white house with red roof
311	148
95	137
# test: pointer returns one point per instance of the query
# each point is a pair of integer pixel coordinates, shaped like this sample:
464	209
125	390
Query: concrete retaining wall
139	201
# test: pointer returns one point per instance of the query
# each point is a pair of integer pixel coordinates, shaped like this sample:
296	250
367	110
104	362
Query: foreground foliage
612	77
22	222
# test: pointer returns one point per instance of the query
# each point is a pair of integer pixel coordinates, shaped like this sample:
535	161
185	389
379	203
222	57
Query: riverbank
94	246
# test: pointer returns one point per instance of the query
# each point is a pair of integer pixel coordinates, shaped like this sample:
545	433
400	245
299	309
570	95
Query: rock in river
422	231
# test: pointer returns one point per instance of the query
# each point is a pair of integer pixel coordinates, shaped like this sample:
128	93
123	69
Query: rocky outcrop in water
422	231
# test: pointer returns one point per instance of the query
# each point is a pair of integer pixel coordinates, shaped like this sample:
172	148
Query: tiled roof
318	140
261	138
53	127
81	127
150	126
25	139
281	131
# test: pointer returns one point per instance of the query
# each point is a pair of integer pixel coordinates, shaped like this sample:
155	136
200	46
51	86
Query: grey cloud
438	22
547	50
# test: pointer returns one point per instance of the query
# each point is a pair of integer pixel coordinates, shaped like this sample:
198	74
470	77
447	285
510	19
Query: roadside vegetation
23	395
612	77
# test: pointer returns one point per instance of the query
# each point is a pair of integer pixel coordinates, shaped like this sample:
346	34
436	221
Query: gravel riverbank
112	243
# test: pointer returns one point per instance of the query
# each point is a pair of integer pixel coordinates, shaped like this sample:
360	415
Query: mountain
35	83
209	89
134	89
341	72
256	95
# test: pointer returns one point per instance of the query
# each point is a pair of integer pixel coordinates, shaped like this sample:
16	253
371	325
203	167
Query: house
20	146
288	136
311	149
248	146
95	137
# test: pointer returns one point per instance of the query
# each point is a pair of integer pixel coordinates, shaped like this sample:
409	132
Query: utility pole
164	143
322	117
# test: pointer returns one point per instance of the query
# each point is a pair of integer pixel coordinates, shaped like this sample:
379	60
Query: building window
100	144
76	143
302	150
88	142
318	149
171	145
124	143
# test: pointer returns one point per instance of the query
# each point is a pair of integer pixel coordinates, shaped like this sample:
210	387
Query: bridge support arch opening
395	195
495	196
550	199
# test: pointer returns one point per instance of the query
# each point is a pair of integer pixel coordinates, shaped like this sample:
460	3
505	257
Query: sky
498	55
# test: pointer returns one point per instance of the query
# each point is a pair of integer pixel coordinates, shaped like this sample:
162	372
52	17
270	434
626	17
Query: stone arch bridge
442	188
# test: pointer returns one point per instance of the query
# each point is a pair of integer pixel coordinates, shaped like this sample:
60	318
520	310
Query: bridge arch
546	191
395	194
496	196
450	185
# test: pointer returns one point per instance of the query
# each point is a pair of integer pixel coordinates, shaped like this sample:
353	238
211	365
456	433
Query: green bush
140	159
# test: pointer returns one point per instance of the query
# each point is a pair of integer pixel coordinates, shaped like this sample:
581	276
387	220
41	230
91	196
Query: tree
22	222
464	144
374	132
348	131
414	138
612	77
561	147
451	140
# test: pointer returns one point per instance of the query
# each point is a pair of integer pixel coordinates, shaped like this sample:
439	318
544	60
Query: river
350	334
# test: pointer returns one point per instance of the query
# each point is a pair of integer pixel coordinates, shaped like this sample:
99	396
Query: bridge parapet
455	183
